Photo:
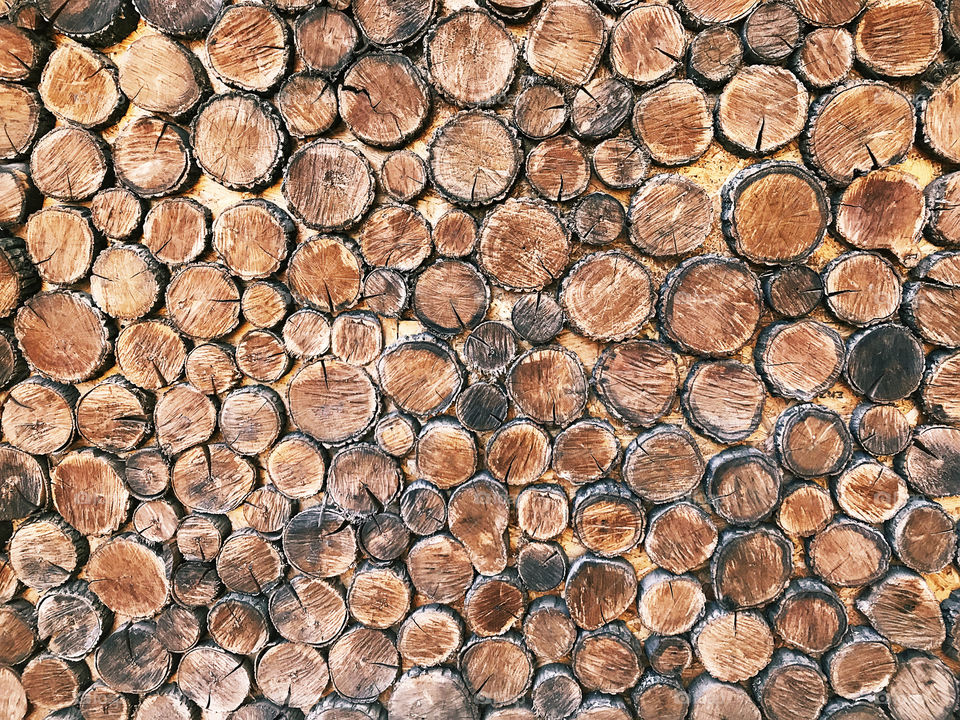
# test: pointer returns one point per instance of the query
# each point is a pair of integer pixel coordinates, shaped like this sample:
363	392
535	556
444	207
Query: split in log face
251	238
898	38
423	508
710	699
585	451
160	75
607	519
883	210
715	56
943	209
637	381
27	51
761	109
151	157
211	478
923	536
880	429
478	513
673	122
930	302
566	41
473	159
742	485
775	212
812	440
439	692
681	537
778	348
558	168
940	129
420	374
308	610
383	99
332	401
471	58
107	573
724	400
203	301
396	434
751	567
25	490
710	305
214	678
44	553
663	464
248	48
482	407
126	281
598	589
607	659
383	537
385	292
662	206
733	645
247	157
498	670
620	163
325	39
27	119
494	604
540	109
490	348
670	604
61	242
659	56
446	453
450	296
542	566
440	568
548	385
308	104
114	416
69	164
261	356
362	479
328	555
403	175
80	85
211	368
537	317
825	57
430	635
792	686
597	219
870	491
455	233
393	22
856	128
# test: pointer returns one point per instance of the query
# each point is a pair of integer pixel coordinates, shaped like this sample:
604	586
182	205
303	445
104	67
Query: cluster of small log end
382	359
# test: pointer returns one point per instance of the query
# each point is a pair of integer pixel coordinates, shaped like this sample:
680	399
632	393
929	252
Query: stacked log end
518	360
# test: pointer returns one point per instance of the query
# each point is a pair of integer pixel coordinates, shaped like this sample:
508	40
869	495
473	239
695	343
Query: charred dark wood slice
751	567
474	158
663	464
430	635
951	611
325	39
340	198
943	209
384	100
931	463
423	508
710	305
180	18
715	56
598	589
542	566
656	59
160	75
68	163
490	348
825	57
916	26
724	400
196	584
607	519
392	22
532	265
25	492
775	212
555	693
61	242
809	617
792	686
600	108
940	131
238	141
248	47
864	218
540	109
711	12
673	122
593	315
856	128
97	24
383	537
12	365
18	276
884	363
471	58
543	511
772	32
620	163
681	537
733	645
781	344
607	659
742	485
848	553
566	41
482	407
308	104
80	85
812	440
537	317
805	509
637	381
597	219
761	109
